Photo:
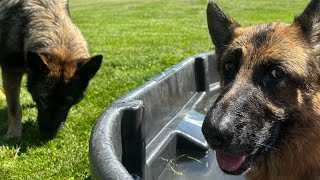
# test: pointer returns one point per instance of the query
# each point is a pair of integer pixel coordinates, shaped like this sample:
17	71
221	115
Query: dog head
56	85
268	74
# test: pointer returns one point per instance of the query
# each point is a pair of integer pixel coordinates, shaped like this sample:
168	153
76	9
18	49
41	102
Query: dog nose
217	136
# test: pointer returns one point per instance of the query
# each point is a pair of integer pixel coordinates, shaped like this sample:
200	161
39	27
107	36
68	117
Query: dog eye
229	66
277	73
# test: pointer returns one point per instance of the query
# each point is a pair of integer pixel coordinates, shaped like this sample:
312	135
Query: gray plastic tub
154	131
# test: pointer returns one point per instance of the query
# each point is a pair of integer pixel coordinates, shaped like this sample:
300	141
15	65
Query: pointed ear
90	68
309	22
37	62
221	27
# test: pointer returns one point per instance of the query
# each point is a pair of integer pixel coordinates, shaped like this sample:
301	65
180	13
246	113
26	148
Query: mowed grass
139	39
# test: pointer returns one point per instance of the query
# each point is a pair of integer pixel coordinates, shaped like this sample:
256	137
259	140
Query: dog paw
13	133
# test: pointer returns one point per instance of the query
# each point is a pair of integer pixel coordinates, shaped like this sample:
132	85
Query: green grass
139	39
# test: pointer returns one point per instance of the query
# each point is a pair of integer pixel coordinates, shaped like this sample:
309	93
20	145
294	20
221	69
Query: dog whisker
268	146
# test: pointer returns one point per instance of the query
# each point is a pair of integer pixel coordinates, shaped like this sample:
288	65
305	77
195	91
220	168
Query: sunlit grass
139	39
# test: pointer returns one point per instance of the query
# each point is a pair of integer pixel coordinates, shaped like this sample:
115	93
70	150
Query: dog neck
298	162
298	156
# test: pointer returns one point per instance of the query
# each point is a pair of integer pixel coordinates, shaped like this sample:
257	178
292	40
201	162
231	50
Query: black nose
49	132
218	136
50	123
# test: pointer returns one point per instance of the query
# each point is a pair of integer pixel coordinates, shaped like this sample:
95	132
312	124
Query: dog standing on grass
37	37
266	122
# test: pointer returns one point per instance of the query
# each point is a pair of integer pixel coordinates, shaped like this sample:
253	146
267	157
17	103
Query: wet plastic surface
154	132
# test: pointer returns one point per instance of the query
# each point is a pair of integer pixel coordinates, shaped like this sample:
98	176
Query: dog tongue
229	162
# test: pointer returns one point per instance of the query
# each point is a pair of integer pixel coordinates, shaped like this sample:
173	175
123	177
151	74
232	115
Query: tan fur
60	69
300	152
59	33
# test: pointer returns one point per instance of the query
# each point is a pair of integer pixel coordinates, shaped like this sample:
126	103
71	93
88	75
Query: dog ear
37	62
90	67
309	22
221	27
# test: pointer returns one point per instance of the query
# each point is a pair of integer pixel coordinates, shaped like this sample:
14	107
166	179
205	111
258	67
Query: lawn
139	39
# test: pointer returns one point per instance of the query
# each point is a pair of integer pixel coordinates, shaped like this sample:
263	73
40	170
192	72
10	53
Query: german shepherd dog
266	122
37	37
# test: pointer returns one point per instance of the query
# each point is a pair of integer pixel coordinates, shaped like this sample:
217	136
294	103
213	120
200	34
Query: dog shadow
30	133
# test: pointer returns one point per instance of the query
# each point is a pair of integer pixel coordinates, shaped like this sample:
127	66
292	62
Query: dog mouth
228	162
239	164
234	164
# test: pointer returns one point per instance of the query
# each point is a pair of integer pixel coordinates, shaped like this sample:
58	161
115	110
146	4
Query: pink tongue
229	162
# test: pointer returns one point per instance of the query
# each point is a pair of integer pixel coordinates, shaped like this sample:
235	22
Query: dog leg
11	85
